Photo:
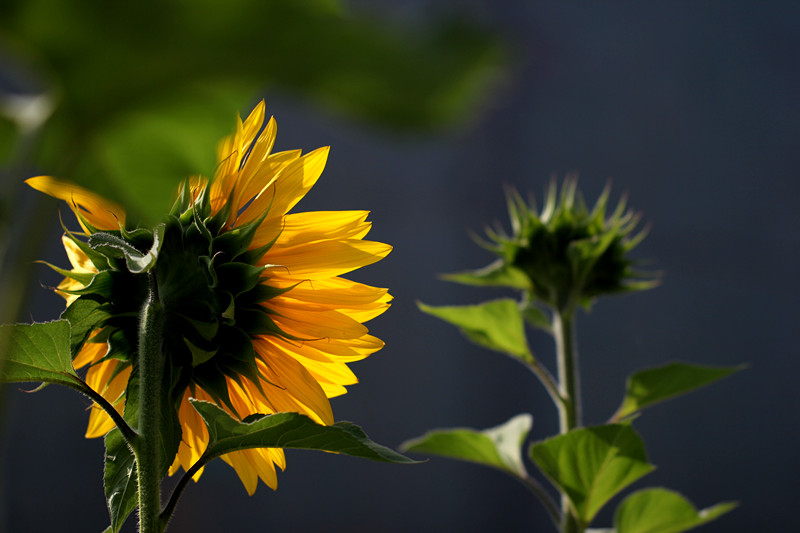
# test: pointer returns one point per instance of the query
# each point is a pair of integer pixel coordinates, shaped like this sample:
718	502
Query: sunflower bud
565	254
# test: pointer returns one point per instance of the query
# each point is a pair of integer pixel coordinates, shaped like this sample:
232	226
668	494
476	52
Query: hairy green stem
569	410
150	375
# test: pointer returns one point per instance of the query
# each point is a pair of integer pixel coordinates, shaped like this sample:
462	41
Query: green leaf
497	274
654	385
120	479
499	447
38	353
83	315
288	430
496	325
592	464
146	90
663	511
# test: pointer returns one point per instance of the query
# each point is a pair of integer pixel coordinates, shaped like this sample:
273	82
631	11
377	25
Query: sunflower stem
150	376
569	410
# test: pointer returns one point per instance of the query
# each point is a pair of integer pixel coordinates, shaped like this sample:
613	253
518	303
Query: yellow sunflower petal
90	352
96	210
300	392
298	228
102	378
327	259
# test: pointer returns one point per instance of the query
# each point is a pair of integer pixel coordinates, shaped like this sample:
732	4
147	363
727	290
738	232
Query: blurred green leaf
37	353
499	447
146	89
497	274
591	465
497	325
288	430
654	385
663	511
8	139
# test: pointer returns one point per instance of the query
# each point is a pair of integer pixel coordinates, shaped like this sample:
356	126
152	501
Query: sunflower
257	316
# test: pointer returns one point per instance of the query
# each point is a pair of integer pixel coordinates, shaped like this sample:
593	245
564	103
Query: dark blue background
690	108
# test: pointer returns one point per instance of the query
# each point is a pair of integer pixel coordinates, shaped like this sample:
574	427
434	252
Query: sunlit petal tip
101	213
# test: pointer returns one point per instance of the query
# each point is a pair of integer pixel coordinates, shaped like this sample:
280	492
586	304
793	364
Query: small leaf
496	325
654	385
83	315
499	447
37	352
592	464
663	511
120	480
496	274
288	430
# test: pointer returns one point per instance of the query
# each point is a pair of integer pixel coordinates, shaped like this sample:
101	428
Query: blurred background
691	109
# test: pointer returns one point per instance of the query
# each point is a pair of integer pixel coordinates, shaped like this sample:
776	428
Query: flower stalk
569	409
151	369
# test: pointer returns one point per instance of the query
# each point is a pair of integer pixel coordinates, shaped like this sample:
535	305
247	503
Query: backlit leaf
592	464
654	385
499	447
497	325
288	430
663	511
37	353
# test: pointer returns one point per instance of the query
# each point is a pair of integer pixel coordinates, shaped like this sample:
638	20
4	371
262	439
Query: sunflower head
257	317
567	254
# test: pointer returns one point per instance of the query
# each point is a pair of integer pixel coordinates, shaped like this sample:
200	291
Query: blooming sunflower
257	316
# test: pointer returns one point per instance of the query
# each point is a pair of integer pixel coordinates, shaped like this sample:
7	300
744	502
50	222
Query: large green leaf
654	385
497	325
120	479
499	447
496	274
288	430
592	464
663	511
38	353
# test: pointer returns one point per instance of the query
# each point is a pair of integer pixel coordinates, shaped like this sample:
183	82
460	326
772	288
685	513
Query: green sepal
236	241
496	274
81	277
237	278
663	511
84	315
210	377
182	202
199	355
217	222
496	324
287	430
591	465
101	285
499	447
654	385
38	353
